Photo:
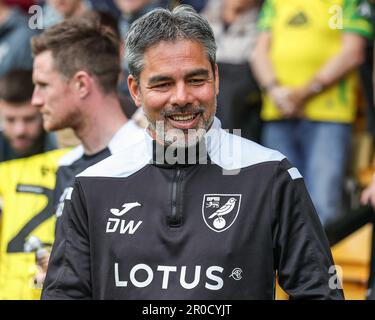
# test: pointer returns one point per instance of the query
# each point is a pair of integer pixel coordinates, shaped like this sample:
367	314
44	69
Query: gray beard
179	138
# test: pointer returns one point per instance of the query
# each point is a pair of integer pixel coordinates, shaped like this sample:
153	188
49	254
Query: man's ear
82	83
217	86
134	90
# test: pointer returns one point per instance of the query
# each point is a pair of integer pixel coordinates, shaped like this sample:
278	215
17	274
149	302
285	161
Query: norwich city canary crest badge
220	211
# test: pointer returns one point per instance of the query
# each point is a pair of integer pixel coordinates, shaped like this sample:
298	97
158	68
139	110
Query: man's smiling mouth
184	120
184	117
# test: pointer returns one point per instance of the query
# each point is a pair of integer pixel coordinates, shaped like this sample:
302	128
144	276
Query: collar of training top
171	156
228	152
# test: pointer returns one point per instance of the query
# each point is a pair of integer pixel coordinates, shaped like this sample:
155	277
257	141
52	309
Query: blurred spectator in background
368	194
22	4
234	26
368	76
23	133
106	6
55	11
130	10
26	185
366	72
304	60
198	5
70	8
367	82
15	36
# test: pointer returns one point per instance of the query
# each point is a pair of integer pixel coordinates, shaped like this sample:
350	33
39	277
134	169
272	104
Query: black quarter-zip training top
134	228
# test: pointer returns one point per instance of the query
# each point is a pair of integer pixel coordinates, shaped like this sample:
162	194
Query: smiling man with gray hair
218	227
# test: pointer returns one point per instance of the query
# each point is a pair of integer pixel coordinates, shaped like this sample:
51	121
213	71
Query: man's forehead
179	47
183	57
44	68
43	61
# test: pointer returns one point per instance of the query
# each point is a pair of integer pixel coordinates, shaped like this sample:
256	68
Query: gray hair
183	23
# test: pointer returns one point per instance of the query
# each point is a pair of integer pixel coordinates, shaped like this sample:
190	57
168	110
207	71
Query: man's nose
181	95
37	99
20	128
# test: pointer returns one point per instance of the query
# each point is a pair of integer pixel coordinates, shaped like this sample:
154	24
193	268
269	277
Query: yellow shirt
26	189
305	35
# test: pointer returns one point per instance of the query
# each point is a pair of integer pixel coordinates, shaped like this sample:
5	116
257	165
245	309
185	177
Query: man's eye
164	85
196	81
30	119
42	85
9	120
